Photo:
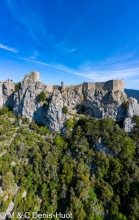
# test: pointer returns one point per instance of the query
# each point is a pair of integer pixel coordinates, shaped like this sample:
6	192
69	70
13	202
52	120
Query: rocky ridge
96	103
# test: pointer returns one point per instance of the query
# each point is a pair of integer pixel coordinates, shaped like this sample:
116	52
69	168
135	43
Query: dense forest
91	171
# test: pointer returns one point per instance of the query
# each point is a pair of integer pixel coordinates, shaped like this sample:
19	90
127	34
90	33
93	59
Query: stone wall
66	88
111	85
99	85
118	85
108	85
49	88
91	85
56	87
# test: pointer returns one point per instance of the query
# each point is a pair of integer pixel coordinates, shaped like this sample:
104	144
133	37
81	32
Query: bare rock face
128	124
100	104
55	118
6	93
26	102
106	104
133	108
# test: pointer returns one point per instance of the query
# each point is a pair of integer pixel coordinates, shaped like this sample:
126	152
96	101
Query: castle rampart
111	85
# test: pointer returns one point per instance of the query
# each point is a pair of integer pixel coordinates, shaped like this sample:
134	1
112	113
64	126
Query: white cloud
9	61
72	50
62	46
34	56
55	66
103	75
90	73
31	21
4	47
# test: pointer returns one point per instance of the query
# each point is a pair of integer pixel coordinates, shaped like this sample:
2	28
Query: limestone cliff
26	102
6	93
94	102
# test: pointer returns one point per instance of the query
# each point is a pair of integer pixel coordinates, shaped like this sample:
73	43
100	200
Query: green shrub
45	103
58	141
25	120
4	110
42	97
34	126
65	109
136	119
17	86
43	130
71	123
125	104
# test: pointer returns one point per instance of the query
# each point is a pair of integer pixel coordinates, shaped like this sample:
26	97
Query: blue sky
70	40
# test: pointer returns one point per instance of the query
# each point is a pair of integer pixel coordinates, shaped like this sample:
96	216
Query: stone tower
118	85
62	86
35	76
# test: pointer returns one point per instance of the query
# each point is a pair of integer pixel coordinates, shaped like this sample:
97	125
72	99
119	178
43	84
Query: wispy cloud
71	50
34	56
9	61
30	19
62	46
92	73
102	75
4	47
55	66
116	61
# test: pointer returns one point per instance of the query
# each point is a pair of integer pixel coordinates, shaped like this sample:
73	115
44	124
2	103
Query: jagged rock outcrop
26	102
96	103
106	104
133	108
54	118
128	124
6	93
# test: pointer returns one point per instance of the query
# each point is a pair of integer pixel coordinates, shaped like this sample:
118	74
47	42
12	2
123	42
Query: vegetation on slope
17	86
43	172
65	109
42	97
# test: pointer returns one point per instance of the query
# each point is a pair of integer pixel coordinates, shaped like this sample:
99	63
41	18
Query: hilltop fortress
95	99
111	85
32	77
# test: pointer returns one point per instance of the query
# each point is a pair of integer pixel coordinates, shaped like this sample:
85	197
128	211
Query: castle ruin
32	77
111	85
